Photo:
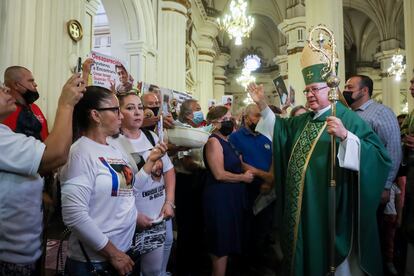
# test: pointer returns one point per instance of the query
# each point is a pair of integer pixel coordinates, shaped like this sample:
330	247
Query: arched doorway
132	35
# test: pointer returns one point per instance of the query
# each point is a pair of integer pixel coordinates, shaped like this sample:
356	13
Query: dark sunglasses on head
114	109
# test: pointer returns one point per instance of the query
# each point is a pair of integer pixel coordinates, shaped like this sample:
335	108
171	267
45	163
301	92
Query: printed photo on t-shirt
122	176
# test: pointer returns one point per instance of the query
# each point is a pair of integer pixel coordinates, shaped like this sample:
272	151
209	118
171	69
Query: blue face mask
198	117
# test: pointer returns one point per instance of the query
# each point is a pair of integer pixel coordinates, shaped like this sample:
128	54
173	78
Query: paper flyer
110	72
170	100
227	101
281	90
211	103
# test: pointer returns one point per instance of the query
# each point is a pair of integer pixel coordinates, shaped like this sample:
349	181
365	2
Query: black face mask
226	128
30	96
155	110
252	127
348	97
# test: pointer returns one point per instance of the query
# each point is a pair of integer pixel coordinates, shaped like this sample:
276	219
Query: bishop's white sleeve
267	122
349	152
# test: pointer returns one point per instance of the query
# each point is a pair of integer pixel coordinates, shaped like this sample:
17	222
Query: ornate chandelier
251	63
397	67
238	24
245	78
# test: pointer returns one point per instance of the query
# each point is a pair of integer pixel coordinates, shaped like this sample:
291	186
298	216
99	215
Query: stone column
409	48
171	46
390	86
220	77
141	60
295	30
205	60
205	77
329	13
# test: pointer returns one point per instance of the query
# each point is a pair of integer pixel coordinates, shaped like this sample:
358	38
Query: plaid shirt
384	122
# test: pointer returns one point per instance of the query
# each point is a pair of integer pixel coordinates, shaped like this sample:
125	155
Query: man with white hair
301	147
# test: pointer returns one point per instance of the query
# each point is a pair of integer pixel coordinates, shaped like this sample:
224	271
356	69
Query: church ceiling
366	24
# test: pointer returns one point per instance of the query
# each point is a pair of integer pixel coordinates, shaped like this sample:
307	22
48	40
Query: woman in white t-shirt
154	198
98	204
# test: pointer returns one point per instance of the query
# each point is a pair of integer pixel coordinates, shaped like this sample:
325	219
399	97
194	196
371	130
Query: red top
11	120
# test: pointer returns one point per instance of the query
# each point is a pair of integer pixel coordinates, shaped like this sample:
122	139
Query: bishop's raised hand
258	95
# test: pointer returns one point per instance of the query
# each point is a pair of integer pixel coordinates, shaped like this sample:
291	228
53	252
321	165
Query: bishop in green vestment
302	175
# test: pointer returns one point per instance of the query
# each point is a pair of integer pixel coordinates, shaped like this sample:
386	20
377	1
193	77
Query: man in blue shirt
256	151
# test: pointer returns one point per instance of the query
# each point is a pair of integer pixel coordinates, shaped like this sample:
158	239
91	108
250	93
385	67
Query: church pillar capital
390	86
389	44
180	7
172	44
295	31
320	12
219	72
222	60
209	30
297	9
282	62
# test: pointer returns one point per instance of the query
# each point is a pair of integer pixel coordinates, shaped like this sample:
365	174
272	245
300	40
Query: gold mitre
314	64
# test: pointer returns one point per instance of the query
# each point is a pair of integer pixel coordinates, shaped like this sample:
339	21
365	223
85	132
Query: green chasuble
302	174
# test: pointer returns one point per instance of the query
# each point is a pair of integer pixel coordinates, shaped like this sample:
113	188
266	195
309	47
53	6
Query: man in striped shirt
357	93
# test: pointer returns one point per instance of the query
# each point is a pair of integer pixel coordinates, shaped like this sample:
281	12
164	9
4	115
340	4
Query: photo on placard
178	99
227	101
281	90
169	100
211	103
110	72
125	81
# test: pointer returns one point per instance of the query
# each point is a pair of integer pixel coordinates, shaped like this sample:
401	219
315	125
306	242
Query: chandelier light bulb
252	62
397	68
237	24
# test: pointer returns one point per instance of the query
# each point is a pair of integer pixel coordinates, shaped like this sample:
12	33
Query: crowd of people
260	179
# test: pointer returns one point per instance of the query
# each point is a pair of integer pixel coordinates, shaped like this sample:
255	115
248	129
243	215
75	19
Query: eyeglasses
314	90
114	109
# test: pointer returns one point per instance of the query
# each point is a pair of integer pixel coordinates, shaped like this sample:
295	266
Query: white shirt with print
21	189
97	198
150	195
